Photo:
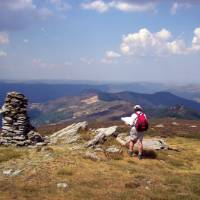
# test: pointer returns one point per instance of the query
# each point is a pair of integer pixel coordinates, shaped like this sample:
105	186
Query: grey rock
19	138
16	172
7	172
12	172
20	143
153	144
39	144
69	134
15	122
37	138
101	135
113	149
107	131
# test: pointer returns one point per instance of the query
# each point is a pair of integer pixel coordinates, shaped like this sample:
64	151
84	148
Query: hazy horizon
97	82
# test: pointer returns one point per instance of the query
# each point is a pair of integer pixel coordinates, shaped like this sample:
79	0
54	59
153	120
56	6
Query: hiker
139	124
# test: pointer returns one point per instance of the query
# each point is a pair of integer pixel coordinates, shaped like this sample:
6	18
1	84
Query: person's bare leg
140	149
131	147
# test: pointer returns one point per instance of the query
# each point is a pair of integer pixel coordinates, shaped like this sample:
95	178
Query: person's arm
134	118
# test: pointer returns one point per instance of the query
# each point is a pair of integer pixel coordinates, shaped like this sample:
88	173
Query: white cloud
196	40
18	4
126	6
18	14
97	5
3	53
4	39
111	57
177	47
132	7
180	5
87	61
164	34
144	42
112	54
174	8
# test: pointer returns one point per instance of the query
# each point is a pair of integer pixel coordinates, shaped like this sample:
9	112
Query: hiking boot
140	156
131	153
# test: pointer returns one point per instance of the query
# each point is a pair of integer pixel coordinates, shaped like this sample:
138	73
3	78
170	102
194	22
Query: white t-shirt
131	120
134	118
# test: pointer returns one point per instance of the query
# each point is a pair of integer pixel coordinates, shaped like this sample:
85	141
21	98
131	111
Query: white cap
137	107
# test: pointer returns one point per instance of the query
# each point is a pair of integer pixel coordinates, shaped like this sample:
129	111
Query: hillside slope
98	105
165	174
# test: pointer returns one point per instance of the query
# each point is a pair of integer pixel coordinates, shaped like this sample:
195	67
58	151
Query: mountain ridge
99	105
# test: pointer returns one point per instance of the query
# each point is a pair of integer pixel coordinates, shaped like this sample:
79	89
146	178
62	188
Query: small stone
16	172
193	126
11	172
7	172
159	126
99	149
62	185
175	124
19	138
41	144
113	149
91	156
20	143
147	188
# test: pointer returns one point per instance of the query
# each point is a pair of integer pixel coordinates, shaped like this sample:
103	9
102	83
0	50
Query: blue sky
114	40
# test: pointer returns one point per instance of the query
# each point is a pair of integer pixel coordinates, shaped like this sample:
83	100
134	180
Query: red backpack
142	122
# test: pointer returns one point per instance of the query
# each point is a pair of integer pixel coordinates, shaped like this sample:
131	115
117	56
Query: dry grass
12	153
65	171
162	175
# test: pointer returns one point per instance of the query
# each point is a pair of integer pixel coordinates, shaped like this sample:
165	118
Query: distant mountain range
98	105
191	91
57	102
44	91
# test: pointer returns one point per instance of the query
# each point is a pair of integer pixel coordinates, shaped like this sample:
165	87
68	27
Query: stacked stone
16	126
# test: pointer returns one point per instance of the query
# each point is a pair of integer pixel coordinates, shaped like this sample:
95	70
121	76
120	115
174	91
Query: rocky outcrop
16	127
101	135
69	134
153	144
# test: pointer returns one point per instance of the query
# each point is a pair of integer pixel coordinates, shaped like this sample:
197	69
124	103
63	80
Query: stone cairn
16	127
